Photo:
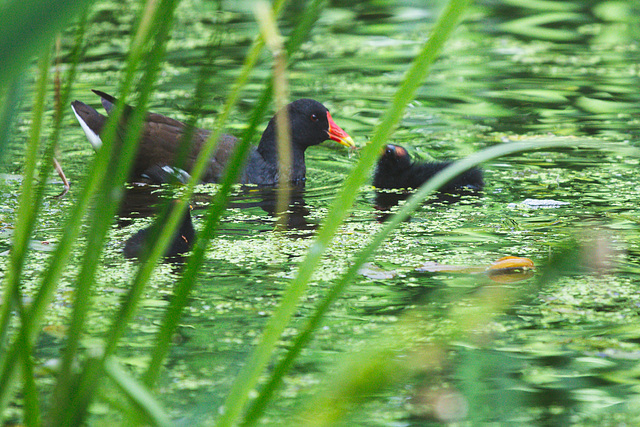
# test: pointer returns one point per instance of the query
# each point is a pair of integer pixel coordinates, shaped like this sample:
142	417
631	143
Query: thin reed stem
270	33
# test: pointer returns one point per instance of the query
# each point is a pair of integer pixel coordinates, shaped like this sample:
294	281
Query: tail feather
108	101
91	122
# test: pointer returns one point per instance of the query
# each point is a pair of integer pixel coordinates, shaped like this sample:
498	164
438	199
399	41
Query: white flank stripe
181	174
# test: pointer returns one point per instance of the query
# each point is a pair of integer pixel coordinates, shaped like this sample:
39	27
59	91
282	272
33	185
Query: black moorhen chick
396	170
311	124
180	244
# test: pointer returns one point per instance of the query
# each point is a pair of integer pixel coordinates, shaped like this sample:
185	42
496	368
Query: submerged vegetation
289	296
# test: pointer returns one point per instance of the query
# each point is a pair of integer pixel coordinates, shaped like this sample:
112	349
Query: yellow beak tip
348	142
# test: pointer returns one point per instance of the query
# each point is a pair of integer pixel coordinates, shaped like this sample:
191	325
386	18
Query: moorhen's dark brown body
310	121
396	170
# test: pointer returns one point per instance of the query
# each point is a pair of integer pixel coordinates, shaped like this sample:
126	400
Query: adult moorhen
396	170
311	124
180	244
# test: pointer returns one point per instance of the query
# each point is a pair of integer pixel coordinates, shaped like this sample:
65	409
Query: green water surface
515	69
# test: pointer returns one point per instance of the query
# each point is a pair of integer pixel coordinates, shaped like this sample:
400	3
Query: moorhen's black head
393	165
395	157
311	124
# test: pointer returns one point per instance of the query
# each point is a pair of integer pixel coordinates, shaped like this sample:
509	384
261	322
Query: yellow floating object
510	269
511	262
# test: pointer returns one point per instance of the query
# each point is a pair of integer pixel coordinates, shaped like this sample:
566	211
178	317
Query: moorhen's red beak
338	135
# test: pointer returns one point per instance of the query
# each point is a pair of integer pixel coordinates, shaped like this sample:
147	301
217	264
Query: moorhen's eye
314	118
390	151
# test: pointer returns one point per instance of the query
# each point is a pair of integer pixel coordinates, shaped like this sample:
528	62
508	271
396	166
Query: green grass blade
211	222
29	390
53	272
26	210
137	393
27	193
31	200
50	279
26	219
306	334
249	375
29	329
196	174
218	205
76	396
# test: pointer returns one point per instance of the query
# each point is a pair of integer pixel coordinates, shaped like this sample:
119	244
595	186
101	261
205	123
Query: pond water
514	69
